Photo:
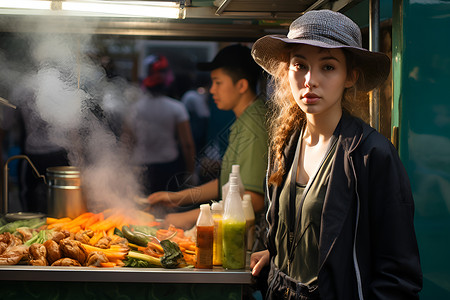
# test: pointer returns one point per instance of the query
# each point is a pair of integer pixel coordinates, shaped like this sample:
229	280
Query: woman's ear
351	79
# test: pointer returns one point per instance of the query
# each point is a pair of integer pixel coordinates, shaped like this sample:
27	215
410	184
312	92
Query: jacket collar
340	194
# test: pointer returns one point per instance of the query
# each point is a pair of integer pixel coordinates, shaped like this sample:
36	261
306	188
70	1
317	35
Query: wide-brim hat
326	29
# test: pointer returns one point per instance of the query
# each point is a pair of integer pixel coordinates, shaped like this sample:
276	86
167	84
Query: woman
341	208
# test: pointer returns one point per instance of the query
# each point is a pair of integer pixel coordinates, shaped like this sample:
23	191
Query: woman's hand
258	261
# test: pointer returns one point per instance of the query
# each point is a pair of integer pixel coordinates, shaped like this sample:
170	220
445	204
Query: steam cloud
73	95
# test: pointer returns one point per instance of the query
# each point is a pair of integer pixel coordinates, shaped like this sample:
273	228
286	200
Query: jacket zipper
355	259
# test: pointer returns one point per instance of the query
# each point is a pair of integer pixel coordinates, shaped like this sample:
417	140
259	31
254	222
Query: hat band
321	33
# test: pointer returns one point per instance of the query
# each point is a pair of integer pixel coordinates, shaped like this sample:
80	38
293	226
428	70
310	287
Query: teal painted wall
360	12
421	72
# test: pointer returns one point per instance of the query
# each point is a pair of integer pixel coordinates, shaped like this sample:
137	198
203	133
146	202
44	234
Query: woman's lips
310	98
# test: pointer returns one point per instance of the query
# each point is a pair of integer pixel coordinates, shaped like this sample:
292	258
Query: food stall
75	274
223	21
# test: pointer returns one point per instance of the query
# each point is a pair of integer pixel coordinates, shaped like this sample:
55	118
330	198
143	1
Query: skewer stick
6	102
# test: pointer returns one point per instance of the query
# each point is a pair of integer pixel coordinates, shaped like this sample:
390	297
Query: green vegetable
136	263
140	260
149	230
31	223
135	237
118	232
172	255
39	238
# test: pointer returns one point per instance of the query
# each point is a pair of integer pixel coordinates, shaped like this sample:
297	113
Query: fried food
73	249
53	251
66	262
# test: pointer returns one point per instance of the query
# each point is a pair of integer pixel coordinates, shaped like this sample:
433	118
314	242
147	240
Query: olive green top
247	147
305	264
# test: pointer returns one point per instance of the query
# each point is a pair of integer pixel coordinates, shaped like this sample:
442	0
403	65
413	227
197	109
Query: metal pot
64	195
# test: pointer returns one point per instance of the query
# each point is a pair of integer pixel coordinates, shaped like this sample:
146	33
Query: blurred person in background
157	129
235	77
196	102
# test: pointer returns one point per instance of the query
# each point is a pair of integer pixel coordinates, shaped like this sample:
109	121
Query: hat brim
270	50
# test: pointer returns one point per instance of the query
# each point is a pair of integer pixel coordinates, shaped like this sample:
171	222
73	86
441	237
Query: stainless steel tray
122	274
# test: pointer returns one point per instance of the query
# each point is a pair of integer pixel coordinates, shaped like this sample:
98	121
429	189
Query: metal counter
75	283
125	274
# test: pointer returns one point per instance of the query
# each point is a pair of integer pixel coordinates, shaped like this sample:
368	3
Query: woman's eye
328	68
298	66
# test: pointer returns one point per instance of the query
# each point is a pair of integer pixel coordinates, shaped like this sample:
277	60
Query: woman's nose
309	80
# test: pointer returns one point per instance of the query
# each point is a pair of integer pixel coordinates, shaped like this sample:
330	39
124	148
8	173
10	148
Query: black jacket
368	247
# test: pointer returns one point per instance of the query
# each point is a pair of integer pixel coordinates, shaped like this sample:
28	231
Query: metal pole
222	7
374	45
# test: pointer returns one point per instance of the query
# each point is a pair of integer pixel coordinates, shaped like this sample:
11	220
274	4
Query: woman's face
318	77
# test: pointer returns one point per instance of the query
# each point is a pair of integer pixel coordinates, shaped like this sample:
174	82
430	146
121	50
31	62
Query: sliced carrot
93	219
56	220
95	238
155	246
110	231
189	252
113	253
187	245
83	217
190	259
78	221
57	226
118	262
108	264
101	216
99	226
180	232
150	251
75	229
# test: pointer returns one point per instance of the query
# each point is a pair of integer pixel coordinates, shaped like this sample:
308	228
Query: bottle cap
247	197
204	207
216	206
235	169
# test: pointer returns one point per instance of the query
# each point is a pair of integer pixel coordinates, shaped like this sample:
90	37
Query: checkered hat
326	29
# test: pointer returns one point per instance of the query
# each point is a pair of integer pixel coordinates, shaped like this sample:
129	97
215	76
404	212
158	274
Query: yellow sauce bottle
217	212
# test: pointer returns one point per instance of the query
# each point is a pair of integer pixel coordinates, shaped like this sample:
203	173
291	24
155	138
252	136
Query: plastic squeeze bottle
233	229
205	237
217	214
235	171
249	220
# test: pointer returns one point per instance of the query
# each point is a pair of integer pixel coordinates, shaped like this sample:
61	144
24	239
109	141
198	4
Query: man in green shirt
234	76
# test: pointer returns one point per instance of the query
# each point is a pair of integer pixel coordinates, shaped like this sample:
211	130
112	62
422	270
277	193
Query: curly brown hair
285	116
